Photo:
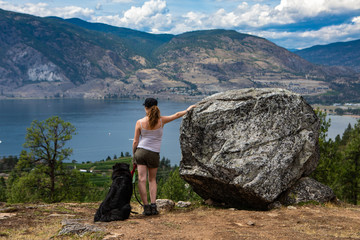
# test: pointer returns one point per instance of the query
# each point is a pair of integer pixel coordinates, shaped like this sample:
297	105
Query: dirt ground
43	221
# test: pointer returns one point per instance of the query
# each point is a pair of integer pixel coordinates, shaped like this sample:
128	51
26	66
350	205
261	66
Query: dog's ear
115	166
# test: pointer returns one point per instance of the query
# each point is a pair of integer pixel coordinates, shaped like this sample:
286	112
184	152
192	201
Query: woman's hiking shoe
154	210
147	210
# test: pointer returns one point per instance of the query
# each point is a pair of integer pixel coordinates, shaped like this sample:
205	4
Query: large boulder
246	147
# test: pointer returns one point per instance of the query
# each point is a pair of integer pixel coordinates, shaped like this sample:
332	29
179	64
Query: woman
146	149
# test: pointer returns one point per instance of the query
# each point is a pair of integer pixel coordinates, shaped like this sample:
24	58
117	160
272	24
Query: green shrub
2	190
30	187
175	188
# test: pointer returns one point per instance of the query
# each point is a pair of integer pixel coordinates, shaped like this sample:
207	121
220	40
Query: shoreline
174	98
330	110
344	115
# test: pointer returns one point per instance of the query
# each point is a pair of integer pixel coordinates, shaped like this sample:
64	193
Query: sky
292	24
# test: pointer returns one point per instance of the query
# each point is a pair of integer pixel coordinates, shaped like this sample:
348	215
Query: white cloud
189	22
152	15
39	9
146	11
121	1
43	10
98	6
73	11
311	8
356	20
260	15
224	19
336	32
244	15
304	39
194	20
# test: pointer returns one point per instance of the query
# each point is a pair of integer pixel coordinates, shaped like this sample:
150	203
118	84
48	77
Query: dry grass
326	221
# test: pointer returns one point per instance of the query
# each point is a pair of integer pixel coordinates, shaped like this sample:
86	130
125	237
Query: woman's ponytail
154	116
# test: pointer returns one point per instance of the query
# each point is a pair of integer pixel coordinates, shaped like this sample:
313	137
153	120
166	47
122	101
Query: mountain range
53	57
334	54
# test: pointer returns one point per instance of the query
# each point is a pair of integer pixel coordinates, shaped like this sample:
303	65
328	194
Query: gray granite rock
307	190
165	205
182	204
246	147
77	227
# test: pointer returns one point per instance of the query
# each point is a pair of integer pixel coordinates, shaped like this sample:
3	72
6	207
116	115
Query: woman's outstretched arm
167	119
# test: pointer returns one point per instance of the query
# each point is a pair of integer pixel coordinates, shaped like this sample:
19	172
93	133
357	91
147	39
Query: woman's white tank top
151	139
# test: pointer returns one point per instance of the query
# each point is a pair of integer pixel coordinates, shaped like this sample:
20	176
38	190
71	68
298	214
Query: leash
133	175
133	171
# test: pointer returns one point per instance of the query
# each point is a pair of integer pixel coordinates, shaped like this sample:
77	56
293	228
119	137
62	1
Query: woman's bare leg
152	184
142	171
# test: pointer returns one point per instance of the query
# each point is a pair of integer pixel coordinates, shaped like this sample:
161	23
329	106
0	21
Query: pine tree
351	169
39	172
2	190
346	135
327	171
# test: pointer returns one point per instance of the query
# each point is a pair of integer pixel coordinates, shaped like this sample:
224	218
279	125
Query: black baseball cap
149	102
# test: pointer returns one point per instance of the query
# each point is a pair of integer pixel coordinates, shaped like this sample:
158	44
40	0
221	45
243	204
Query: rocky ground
46	221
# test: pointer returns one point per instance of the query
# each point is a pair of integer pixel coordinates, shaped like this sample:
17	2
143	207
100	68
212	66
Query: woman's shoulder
141	120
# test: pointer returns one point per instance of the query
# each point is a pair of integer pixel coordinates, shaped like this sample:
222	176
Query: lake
104	127
339	124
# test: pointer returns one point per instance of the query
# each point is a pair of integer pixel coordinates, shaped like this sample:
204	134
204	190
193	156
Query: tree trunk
52	181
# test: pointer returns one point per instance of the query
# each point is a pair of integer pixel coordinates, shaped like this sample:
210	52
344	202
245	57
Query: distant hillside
48	55
217	60
224	59
53	57
335	54
141	42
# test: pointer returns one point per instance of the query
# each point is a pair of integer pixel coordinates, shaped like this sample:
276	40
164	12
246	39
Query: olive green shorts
146	157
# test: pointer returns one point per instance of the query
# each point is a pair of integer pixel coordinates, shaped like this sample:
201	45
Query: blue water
339	124
104	128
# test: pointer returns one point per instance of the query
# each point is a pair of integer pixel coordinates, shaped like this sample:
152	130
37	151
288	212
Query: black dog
116	205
